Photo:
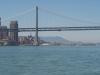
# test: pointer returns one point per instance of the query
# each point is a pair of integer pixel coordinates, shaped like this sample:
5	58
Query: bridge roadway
54	29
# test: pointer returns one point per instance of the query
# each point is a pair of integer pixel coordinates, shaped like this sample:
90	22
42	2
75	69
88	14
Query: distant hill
59	40
56	39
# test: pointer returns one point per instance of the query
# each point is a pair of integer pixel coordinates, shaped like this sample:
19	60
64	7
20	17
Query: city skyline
79	9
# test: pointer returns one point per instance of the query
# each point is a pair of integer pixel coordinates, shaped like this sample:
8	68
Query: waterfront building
26	40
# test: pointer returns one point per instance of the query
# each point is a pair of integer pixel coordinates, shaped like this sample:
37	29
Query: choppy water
49	60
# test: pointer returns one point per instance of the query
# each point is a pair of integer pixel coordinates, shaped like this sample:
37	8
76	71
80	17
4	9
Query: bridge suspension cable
19	14
68	17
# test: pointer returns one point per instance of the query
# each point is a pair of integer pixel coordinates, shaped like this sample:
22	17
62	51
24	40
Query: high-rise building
0	29
0	33
3	32
14	31
0	21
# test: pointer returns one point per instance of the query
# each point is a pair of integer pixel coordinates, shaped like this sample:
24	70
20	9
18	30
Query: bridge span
54	29
60	28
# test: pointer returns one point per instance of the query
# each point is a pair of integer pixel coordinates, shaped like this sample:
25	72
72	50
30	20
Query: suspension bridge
37	28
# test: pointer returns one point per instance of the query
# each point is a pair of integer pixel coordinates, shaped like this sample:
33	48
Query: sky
77	12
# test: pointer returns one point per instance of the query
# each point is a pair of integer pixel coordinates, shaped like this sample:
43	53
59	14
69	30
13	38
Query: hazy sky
83	12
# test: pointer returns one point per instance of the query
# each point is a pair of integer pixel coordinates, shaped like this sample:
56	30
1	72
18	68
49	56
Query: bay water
49	60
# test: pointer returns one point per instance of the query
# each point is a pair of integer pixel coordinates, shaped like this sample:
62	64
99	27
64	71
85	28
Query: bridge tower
37	40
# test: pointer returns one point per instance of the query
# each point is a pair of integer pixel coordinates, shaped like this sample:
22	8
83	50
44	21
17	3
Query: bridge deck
54	29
